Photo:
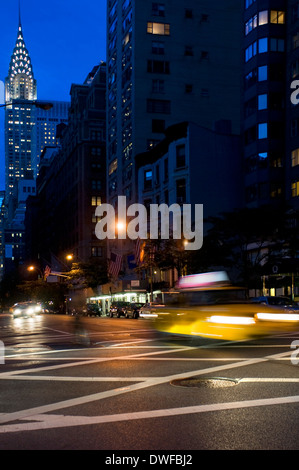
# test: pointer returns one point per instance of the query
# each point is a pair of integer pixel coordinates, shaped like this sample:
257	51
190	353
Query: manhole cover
208	382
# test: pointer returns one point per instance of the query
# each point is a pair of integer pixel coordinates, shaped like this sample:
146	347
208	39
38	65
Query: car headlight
17	311
231	320
38	308
277	316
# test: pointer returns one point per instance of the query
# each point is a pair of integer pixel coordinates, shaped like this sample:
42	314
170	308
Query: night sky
65	39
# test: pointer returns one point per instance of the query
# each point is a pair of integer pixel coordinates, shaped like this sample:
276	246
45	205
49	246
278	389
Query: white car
26	309
150	310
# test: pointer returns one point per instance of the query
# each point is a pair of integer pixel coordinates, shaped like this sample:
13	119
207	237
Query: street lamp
34	268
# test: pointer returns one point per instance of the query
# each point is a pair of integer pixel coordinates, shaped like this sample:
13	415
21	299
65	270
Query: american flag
47	272
114	264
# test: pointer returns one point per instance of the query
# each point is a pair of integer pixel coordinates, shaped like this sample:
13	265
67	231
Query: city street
116	384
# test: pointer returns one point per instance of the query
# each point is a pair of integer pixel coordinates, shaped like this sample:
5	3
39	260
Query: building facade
44	133
166	64
71	181
264	100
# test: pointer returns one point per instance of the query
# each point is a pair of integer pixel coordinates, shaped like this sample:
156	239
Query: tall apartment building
292	118
264	100
167	62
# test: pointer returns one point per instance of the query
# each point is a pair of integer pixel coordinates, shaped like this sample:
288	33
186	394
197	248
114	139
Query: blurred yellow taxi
220	311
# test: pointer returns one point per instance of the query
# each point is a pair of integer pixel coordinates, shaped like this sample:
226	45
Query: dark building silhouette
71	181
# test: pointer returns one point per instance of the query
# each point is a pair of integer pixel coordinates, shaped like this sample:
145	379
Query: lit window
262	102
295	189
158	28
96	201
263	17
263	45
263	130
277	17
262	73
295	157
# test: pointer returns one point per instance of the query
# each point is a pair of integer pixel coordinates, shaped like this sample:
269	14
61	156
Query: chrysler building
20	93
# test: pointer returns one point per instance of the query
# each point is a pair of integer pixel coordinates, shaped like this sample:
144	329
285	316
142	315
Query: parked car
26	309
133	310
118	309
92	310
272	300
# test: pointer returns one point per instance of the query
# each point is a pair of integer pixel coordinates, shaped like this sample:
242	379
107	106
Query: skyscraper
167	64
20	92
264	97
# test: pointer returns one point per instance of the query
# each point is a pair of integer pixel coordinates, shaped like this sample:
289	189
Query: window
295	40
262	101
158	86
250	79
263	45
166	169
148	179
277	17
96	251
158	28
180	156
204	55
248	3
158	106
295	157
295	189
158	9
277	45
263	73
263	130
181	191
188	13
96	184
113	166
96	201
158	66
263	17
250	24
188	50
250	51
158	47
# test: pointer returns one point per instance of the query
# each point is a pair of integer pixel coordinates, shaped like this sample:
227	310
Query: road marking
112	393
58	421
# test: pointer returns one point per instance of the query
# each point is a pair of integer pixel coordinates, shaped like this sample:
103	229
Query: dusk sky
65	39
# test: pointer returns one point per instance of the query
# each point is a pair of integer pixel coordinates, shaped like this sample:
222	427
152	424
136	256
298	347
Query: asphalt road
118	385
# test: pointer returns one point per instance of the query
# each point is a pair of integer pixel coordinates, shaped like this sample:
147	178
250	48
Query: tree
87	275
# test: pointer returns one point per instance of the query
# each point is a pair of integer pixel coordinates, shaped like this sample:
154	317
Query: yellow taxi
215	309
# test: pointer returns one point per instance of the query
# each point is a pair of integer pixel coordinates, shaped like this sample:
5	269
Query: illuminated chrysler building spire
20	116
20	83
